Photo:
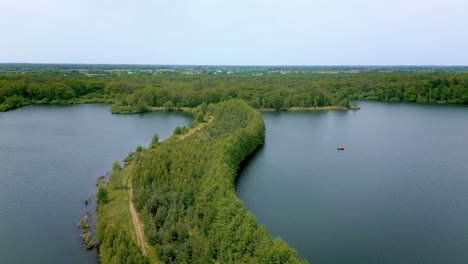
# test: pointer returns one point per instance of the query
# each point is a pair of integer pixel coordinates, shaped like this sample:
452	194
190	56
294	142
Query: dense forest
184	191
131	93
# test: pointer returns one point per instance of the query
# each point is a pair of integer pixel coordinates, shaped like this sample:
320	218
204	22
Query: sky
236	32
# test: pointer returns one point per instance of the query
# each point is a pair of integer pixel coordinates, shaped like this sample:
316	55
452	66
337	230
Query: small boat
340	148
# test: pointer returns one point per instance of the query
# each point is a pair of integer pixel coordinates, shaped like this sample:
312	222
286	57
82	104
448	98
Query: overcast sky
247	32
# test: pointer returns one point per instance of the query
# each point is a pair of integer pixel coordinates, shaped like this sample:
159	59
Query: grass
116	211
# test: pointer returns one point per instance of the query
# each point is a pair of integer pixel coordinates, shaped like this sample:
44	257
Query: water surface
50	158
398	193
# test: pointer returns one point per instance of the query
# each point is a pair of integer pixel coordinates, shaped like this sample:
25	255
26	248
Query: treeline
184	190
17	90
140	92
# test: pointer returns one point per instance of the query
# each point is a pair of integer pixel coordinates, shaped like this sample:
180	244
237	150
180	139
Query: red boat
340	148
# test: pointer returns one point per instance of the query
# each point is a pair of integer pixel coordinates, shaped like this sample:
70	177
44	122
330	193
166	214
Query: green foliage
139	148
116	166
177	130
141	109
200	117
102	196
121	108
130	157
155	139
139	93
202	108
345	103
169	106
185	193
114	229
13	102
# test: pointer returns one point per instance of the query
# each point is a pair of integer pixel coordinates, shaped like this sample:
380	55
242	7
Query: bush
155	139
177	130
169	106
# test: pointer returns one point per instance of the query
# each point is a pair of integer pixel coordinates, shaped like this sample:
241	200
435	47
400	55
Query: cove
50	158
398	193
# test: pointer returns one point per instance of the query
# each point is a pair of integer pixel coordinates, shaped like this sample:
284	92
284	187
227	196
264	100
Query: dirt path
136	223
195	129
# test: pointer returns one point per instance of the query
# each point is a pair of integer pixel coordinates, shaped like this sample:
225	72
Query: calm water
397	194
50	158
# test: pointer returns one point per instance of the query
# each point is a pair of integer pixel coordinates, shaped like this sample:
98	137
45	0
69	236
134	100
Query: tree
13	102
276	102
155	139
116	166
177	130
102	196
203	107
169	106
199	118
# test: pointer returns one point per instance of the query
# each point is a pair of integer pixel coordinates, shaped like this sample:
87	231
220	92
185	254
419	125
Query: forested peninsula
184	192
133	93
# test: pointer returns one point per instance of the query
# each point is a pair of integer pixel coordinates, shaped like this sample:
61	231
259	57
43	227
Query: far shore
308	109
193	109
291	109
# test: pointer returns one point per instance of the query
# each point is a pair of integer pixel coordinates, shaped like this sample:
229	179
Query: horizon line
244	65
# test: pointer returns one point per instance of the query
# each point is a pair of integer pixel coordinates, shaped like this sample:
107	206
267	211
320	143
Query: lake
50	159
398	193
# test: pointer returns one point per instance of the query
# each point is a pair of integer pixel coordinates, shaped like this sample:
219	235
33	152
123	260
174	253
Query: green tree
155	139
102	195
199	118
169	106
116	166
203	107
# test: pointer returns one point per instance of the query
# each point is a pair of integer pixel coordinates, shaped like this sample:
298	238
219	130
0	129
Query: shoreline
310	109
291	109
190	110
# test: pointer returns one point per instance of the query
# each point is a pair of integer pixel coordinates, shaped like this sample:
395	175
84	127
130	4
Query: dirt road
136	224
